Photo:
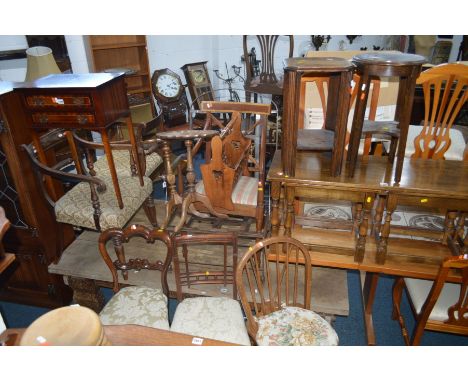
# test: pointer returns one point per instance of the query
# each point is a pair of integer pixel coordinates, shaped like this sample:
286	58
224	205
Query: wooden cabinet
126	52
35	237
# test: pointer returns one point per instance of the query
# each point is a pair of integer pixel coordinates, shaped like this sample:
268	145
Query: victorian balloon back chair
139	305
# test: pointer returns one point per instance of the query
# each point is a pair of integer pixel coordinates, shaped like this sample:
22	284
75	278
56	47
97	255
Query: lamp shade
41	63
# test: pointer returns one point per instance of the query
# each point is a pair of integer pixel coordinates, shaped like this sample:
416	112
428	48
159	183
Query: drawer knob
82	119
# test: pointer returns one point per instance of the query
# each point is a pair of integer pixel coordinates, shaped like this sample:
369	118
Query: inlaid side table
92	101
190	197
406	67
331	137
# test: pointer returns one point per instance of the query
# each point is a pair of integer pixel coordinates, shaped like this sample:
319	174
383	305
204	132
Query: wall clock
198	82
170	95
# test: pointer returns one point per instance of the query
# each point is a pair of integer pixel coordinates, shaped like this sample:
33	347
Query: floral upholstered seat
122	163
75	208
294	326
218	318
137	305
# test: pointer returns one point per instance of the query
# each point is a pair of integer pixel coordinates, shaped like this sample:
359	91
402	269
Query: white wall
13	70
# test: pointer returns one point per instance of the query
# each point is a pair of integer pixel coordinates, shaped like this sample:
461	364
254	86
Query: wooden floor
82	259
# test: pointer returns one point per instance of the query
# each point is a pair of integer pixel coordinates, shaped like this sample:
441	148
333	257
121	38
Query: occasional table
190	197
406	67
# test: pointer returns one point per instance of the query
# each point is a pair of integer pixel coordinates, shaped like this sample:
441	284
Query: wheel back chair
91	202
233	177
440	305
207	261
445	93
139	305
274	283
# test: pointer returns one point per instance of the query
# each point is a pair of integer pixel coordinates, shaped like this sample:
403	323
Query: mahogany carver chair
233	177
90	202
445	93
139	305
439	305
274	282
265	81
219	317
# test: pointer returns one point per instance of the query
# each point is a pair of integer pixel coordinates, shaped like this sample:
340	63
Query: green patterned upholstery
218	318
122	163
294	326
75	206
137	305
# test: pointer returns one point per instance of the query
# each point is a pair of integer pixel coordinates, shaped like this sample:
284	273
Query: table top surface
387	58
432	177
59	81
133	335
325	64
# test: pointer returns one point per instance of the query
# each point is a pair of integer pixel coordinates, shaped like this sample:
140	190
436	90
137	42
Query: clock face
198	76
168	85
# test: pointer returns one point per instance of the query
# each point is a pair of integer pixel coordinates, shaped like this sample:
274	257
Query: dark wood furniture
369	65
187	201
132	335
189	274
332	137
126	52
438	306
78	101
432	183
198	82
34	236
5	258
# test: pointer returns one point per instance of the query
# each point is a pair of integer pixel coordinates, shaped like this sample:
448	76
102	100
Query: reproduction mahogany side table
332	136
406	67
91	101
190	197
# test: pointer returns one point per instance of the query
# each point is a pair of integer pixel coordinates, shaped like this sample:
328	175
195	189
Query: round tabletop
389	58
186	134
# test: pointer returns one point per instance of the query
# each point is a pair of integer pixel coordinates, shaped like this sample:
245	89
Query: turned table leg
385	231
275	196
363	228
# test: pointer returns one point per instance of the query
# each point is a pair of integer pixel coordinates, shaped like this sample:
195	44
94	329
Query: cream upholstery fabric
419	290
455	151
295	326
245	191
75	206
137	305
122	163
218	318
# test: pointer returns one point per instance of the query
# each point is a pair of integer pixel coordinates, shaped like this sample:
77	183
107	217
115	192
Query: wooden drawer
84	119
58	101
429	201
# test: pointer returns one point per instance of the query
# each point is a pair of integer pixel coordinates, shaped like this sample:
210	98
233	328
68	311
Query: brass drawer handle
38	101
78	101
82	119
43	118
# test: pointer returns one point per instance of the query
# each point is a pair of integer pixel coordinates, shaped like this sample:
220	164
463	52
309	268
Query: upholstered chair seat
244	192
122	163
137	305
218	318
294	326
75	208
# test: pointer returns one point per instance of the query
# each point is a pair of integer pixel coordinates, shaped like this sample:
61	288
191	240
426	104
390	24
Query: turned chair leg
150	211
396	313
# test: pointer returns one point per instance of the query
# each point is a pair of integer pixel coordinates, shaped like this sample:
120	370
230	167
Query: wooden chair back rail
270	275
189	277
445	93
121	236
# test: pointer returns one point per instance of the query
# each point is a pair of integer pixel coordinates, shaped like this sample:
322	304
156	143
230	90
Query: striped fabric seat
245	191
